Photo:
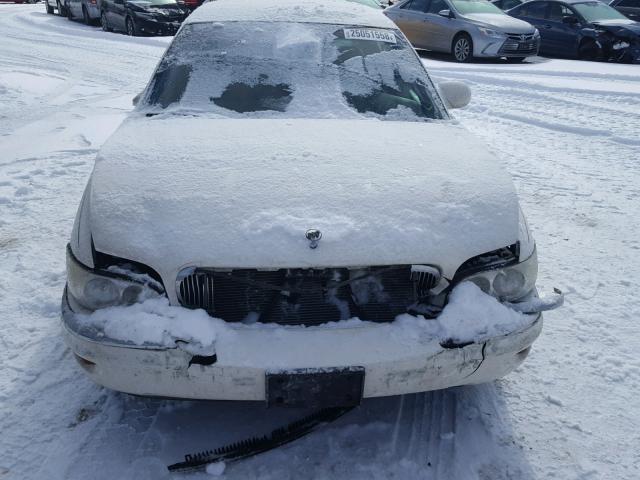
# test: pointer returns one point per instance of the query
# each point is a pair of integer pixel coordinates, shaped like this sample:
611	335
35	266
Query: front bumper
404	365
157	27
510	47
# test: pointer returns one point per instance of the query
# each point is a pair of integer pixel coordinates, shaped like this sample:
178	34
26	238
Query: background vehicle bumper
488	47
154	27
171	372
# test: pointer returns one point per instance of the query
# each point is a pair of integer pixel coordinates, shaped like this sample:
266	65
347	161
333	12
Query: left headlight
96	289
491	33
500	274
536	33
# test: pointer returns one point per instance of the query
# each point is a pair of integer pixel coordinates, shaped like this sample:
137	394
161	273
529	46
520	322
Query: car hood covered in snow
172	192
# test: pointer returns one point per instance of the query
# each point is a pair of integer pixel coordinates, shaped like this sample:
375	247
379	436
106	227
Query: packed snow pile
470	316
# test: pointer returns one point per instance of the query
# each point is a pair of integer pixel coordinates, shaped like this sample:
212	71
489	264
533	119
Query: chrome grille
307	296
525	44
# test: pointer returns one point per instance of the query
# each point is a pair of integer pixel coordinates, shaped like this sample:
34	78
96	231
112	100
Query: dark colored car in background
142	17
87	10
588	30
629	8
506	4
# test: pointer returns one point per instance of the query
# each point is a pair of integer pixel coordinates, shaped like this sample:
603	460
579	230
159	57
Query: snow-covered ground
568	132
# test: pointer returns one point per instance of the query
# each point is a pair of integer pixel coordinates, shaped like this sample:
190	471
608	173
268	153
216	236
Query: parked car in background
629	8
53	5
464	28
588	30
142	17
506	4
87	10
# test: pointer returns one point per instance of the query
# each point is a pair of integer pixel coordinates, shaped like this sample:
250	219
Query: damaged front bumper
403	365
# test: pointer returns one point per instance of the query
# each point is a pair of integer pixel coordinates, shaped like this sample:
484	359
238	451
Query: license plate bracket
317	388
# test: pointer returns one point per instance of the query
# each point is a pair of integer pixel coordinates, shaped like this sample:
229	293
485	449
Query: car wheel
61	11
85	16
462	48
131	27
49	8
104	22
69	14
589	50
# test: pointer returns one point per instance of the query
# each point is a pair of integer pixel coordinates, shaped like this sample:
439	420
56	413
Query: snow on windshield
292	70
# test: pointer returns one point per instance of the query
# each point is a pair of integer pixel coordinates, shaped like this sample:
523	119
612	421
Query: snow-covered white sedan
291	215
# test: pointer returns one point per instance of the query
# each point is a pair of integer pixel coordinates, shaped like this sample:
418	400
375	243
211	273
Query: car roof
337	12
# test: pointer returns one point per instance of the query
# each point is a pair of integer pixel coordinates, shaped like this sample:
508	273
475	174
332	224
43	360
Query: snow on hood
174	191
470	316
501	21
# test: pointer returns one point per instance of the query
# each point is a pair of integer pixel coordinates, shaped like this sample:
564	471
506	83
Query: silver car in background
465	28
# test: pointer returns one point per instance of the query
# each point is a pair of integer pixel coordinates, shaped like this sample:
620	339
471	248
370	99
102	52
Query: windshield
262	69
594	11
475	6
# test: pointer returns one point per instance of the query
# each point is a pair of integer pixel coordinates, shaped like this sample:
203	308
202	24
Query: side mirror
570	20
445	13
136	99
455	94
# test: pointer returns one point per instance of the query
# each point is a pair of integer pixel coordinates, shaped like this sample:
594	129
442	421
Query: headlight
95	289
536	33
501	275
490	33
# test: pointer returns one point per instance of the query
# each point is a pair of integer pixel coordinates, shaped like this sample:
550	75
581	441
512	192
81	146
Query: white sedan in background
291	215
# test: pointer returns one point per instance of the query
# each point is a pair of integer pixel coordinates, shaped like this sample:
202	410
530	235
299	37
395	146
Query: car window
292	70
595	11
509	4
475	6
416	5
557	12
533	9
437	5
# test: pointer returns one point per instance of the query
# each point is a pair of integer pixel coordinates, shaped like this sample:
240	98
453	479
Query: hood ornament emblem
314	237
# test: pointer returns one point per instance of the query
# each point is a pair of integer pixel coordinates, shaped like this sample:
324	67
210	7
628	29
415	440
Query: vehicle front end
251	234
158	17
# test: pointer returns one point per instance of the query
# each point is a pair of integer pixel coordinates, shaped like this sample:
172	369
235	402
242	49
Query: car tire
132	31
104	22
85	16
49	8
589	50
462	48
61	11
69	14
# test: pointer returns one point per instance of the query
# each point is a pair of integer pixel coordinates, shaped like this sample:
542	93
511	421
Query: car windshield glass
594	11
304	70
475	6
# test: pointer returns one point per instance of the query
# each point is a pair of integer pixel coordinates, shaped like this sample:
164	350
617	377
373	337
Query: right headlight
96	289
500	274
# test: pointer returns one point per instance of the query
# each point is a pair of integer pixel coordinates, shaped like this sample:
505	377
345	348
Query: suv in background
630	8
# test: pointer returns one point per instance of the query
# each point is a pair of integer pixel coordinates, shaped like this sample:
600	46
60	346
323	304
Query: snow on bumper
404	363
